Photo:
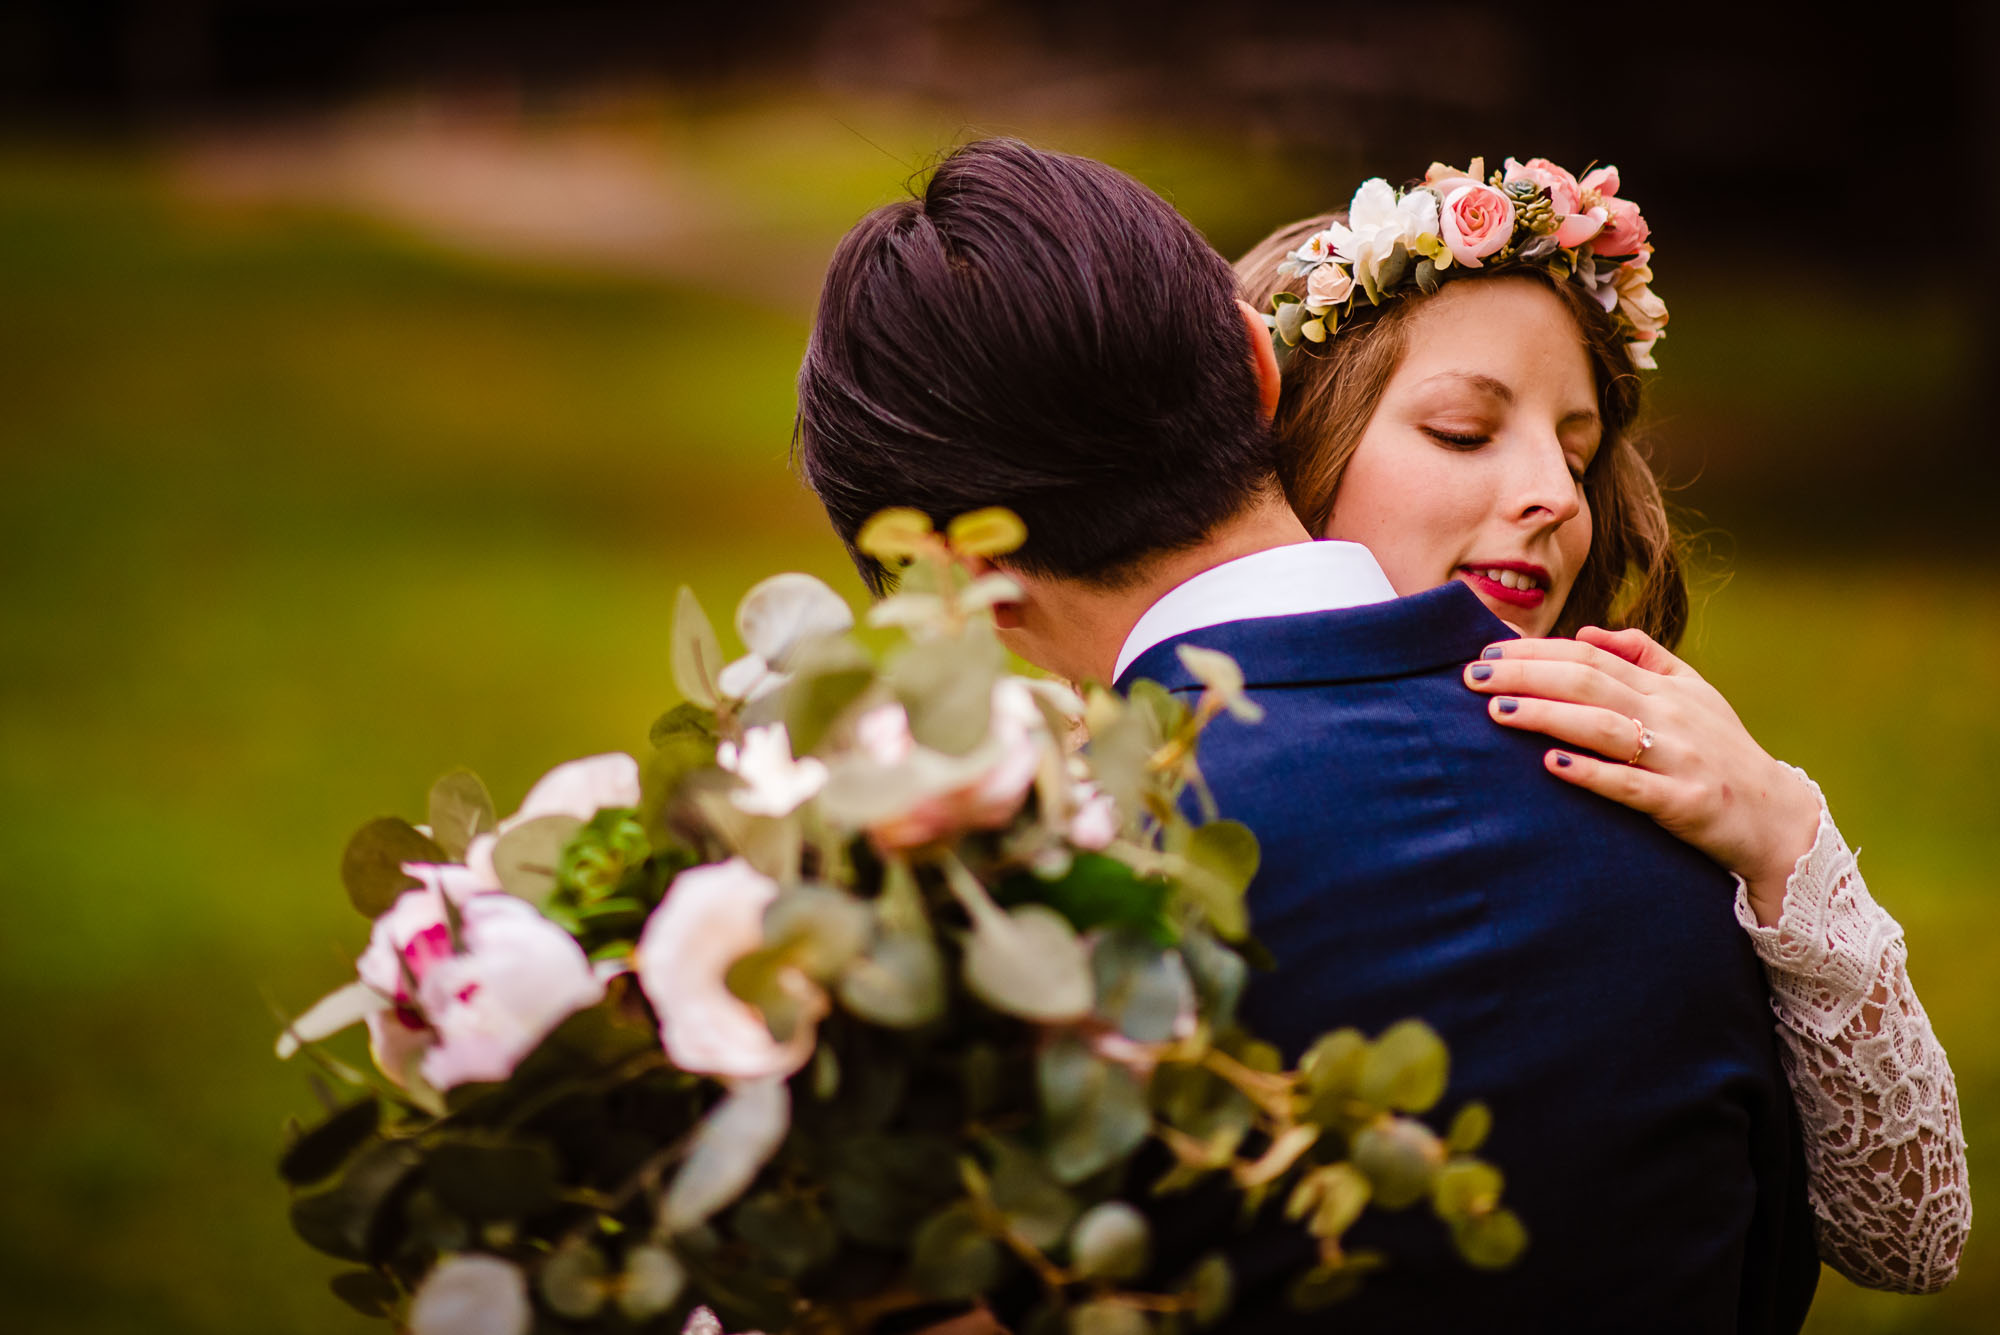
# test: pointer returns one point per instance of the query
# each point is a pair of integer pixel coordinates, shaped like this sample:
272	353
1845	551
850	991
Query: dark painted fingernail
1492	651
1562	761
1509	706
1481	671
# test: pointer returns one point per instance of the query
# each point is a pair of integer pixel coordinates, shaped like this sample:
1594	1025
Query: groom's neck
1077	629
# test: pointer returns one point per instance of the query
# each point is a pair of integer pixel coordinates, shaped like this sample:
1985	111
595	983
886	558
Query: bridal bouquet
859	991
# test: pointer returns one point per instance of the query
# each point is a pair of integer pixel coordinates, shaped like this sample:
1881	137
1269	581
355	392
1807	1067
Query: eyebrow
1501	390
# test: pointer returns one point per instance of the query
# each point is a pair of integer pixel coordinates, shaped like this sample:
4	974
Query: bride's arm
1875	1094
1874	1090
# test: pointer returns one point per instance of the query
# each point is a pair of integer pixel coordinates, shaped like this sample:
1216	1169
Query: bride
1481	431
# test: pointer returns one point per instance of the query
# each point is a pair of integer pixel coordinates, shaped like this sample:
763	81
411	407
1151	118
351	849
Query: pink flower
1476	221
1328	285
711	917
1577	223
579	788
1625	232
989	801
470	1014
1094	823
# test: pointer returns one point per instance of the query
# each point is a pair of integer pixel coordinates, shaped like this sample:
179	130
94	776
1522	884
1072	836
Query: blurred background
374	372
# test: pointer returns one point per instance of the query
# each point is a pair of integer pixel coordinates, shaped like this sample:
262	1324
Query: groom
1040	332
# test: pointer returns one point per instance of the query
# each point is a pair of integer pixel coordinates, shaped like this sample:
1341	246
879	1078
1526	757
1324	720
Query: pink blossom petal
1580	227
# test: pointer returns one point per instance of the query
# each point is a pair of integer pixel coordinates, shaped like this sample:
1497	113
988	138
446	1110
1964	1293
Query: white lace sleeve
1877	1103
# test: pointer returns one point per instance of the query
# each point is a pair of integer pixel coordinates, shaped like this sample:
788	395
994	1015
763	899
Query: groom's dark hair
1042	332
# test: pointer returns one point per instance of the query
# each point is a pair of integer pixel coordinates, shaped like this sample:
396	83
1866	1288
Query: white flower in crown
1377	221
777	785
1316	249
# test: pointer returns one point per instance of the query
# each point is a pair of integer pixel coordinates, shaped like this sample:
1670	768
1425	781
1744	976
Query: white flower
711	917
469	1015
579	788
786	611
1316	249
778	784
1377	221
749	678
471	1294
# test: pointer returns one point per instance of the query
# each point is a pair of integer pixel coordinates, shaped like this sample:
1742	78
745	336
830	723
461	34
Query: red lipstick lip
1500	593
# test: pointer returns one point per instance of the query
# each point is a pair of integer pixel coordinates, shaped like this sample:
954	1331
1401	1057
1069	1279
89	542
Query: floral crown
1530	213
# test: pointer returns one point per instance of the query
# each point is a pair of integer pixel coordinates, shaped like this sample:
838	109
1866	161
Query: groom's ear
1263	358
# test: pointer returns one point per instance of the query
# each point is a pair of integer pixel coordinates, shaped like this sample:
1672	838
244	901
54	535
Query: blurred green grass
296	513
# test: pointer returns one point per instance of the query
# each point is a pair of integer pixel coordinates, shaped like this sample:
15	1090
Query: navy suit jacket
1585	968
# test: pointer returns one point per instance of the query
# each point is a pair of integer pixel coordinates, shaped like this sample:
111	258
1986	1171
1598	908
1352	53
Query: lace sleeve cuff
1825	955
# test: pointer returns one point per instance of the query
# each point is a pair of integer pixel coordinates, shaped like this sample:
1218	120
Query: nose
1549	496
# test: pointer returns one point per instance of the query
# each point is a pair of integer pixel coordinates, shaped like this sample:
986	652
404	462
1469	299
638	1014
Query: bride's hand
1703	778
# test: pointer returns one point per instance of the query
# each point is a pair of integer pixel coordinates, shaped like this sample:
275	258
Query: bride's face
1472	466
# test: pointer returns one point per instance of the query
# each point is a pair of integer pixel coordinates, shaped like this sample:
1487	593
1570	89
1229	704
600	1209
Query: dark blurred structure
1778	145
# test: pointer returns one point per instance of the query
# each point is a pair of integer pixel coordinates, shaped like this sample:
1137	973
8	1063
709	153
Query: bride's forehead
1476	325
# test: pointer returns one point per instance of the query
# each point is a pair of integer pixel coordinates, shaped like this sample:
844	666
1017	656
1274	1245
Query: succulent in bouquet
864	989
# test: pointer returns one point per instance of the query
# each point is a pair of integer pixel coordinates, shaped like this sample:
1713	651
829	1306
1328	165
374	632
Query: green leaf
1098	891
782	614
994	531
1141	988
1395	266
1212	1285
951	1257
460	809
697	653
895	534
815	700
1029	963
1427	277
324	1148
350	1219
1111	1241
1105	1317
1216	869
1291	318
899	983
1491	1241
493	1179
735	1141
1469	1128
572	1281
1464	1188
1407	1068
369	1292
792	1232
372	866
685	719
945	685
820	929
528	858
663	781
1400	1157
1022	1189
1334	1195
1219	974
881	1186
1096	1110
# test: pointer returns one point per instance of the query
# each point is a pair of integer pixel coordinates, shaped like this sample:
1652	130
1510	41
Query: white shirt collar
1276	582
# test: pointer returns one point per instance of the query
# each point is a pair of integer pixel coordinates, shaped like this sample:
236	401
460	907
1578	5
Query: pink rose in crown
1578	223
1476	221
470	1013
1328	285
1625	231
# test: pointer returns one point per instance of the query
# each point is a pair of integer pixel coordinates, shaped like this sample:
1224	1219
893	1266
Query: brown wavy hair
1633	574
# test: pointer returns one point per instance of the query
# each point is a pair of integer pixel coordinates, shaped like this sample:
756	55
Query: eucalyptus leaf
819	928
1216	868
1395	266
784	612
1400	1157
1212	1284
1107	1317
325	1147
1029	963
653	1280
1096	1110
685	718
792	1231
1406	1068
1219	974
350	1218
696	656
899	983
572	1281
1465	1188
460	809
528	857
814	702
1143	990
1427	277
994	531
371	867
1491	1241
1023	1189
1291	318
951	1257
896	534
1111	1241
1469	1128
1098	891
945	684
735	1141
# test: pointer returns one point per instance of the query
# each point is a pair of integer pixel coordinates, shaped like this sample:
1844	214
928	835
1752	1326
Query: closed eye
1456	440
